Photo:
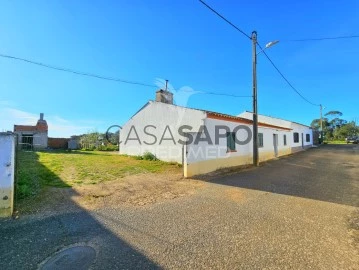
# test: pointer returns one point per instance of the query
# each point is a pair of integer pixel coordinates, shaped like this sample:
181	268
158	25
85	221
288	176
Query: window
284	139
296	137
307	137
231	141
260	139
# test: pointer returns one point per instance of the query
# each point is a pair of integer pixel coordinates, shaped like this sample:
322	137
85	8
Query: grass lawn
335	142
37	170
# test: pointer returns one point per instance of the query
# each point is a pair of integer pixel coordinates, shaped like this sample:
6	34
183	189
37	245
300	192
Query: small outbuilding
33	137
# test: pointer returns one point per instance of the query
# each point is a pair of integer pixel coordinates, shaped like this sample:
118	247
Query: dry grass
70	169
51	182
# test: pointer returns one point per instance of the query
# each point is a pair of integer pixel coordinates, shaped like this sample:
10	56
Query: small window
285	139
307	137
231	141
260	139
296	137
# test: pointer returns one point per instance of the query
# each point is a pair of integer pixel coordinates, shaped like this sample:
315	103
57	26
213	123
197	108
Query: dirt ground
135	190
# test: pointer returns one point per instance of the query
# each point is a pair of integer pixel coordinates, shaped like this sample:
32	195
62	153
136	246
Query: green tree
334	127
91	140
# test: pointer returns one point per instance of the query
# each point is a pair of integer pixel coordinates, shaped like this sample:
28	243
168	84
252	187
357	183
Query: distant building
74	142
33	137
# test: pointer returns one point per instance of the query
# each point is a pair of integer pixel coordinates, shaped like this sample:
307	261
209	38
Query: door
302	141
275	144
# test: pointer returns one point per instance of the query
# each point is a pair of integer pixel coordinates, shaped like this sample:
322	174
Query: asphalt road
297	212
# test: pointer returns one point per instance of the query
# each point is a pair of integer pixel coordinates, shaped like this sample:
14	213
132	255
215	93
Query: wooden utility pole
255	111
321	124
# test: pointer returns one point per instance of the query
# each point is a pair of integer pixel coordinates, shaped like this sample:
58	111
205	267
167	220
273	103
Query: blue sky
181	41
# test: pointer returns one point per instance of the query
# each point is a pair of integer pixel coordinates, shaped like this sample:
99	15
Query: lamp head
272	43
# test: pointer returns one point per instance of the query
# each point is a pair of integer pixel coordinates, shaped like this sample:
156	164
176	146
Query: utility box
7	173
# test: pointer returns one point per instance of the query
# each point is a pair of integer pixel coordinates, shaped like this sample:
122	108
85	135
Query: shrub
149	156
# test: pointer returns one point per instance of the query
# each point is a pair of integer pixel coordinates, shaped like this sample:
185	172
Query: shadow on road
327	173
28	241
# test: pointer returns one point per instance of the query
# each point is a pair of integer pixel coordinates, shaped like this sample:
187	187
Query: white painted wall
267	119
203	151
296	127
301	130
160	116
7	173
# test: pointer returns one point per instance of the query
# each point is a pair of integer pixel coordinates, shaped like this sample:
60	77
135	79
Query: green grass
335	142
37	170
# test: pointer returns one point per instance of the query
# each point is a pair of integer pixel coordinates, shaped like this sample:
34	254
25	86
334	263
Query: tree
91	140
335	127
316	124
334	113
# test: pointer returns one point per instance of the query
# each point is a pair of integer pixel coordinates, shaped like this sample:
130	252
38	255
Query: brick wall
58	143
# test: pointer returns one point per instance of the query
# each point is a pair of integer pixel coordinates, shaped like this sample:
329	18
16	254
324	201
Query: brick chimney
41	123
164	96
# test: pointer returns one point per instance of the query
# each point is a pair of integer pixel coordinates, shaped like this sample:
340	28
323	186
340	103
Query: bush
149	156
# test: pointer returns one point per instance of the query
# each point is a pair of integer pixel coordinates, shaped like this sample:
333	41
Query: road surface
297	212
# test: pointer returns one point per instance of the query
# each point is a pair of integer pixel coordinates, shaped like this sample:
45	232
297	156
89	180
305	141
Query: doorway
275	144
27	142
302	141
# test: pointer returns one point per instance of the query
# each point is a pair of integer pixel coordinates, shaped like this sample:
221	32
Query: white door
275	144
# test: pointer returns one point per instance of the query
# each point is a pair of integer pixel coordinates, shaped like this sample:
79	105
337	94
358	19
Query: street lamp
268	45
255	109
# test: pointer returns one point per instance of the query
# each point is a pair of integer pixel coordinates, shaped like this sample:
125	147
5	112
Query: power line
323	38
223	18
101	77
227	95
75	72
288	82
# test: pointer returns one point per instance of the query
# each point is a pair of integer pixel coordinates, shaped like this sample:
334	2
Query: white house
204	141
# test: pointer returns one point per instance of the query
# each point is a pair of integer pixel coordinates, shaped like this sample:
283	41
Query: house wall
40	139
7	173
302	144
159	121
296	127
204	158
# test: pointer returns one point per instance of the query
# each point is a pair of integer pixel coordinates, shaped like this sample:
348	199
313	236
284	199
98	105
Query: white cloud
58	126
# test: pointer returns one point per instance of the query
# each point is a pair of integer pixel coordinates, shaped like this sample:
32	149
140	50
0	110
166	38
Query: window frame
296	137
260	140
231	141
307	137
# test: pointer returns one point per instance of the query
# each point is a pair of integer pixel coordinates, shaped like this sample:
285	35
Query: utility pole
321	124
255	112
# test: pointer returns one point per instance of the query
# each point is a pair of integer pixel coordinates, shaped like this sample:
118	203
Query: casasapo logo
185	136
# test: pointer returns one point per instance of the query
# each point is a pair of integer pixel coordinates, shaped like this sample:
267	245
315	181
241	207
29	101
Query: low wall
7	173
58	143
